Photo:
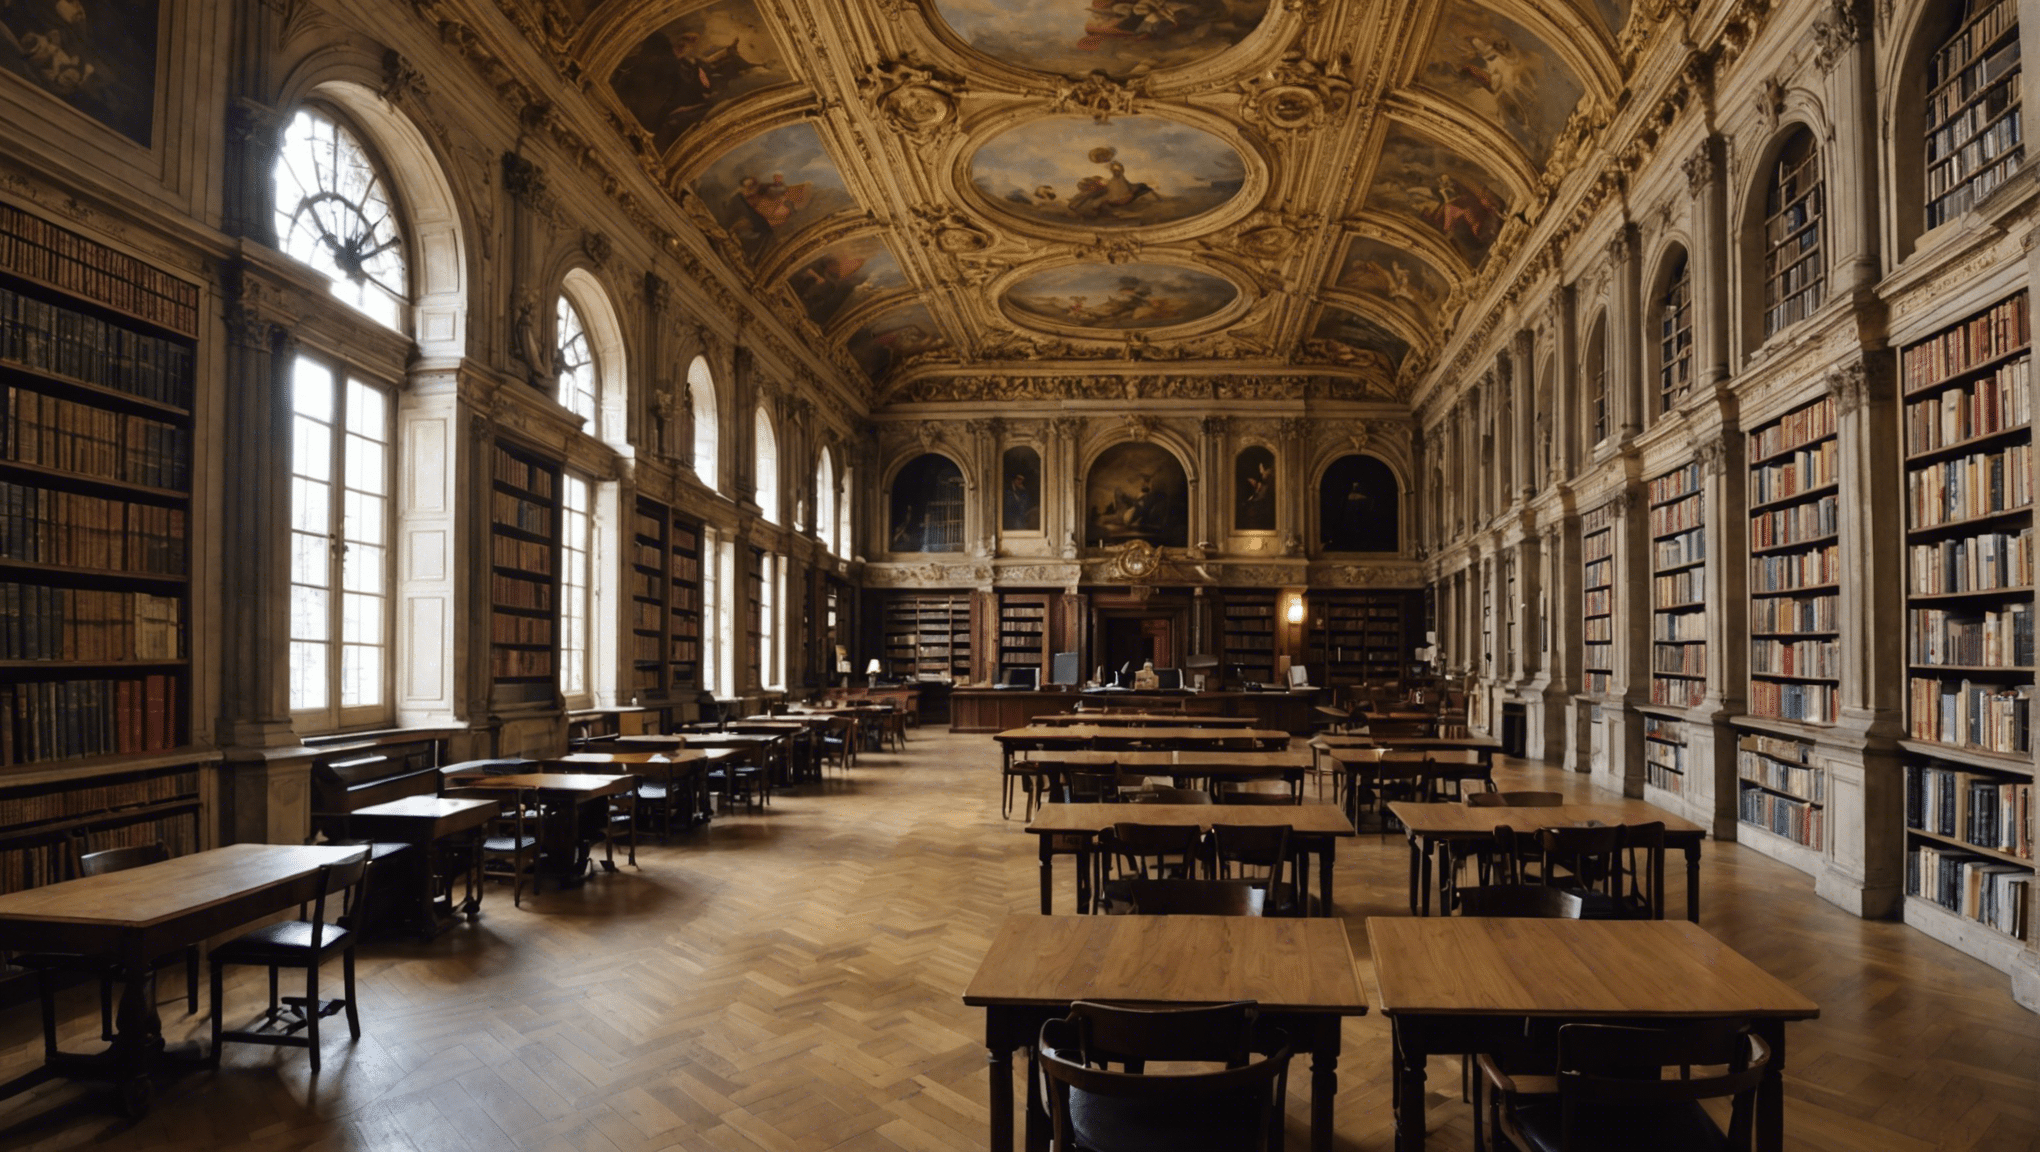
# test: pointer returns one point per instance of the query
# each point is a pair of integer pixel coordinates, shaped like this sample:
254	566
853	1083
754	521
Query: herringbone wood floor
791	981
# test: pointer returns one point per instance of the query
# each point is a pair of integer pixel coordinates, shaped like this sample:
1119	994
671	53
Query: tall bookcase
683	668
1966	434
1597	581
1247	636
754	615
927	636
524	603
1678	617
1795	567
1780	790
650	589
1973	135
1365	637
1023	633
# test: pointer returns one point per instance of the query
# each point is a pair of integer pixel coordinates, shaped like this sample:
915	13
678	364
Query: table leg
1416	869
1408	1089
1424	881
1084	894
1770	1133
1324	1083
1037	1109
1442	851
1047	876
428	892
1326	851
1693	881
1000	1059
138	1032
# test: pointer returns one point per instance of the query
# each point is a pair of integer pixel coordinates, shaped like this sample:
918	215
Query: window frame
583	621
1675	336
401	303
588	369
765	490
702	401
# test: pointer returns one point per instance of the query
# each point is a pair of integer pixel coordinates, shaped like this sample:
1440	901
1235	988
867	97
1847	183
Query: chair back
1525	901
341	878
121	859
1087	787
1237	794
1514	799
1163	794
1238	1106
1155	851
1641	888
1602	1065
1254	852
1187	898
1591	857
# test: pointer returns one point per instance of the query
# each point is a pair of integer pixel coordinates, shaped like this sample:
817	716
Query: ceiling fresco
952	189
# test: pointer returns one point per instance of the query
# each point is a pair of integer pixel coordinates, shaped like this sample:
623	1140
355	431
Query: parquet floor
791	982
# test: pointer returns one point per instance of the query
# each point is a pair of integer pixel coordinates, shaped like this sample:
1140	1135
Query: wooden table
1141	720
1299	971
561	795
1461	984
682	769
1432	826
1072	829
1094	737
426	822
142	913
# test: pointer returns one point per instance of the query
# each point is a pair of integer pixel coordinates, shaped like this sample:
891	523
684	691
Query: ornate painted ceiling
946	193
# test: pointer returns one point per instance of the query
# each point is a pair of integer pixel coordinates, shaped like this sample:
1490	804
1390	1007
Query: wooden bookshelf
1597	582
46	825
1795	258
683	666
1782	792
97	375
754	616
1966	435
1247	632
524	575
1023	633
1365	637
1974	138
1675	337
1678	618
1664	754
927	636
1795	567
650	592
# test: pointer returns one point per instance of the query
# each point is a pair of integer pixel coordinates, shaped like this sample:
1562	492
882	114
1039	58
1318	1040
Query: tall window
771	660
726	614
1675	337
825	505
1793	268
576	539
768	467
1974	139
845	546
339	548
701	394
577	366
333	213
1597	383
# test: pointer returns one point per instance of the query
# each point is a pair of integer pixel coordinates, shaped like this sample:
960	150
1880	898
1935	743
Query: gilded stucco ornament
1298	94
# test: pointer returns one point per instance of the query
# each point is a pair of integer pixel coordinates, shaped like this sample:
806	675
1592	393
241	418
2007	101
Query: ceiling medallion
951	231
1299	94
918	102
1103	299
1115	39
1136	171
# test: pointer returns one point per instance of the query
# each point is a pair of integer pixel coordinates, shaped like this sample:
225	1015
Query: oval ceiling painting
1111	36
1136	171
1118	297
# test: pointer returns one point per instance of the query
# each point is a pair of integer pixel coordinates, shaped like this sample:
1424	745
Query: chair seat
289	939
651	791
1683	1126
1218	1123
508	843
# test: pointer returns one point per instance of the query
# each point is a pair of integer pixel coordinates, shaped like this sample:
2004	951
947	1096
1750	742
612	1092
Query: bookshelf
1973	134
1365	637
754	616
1023	633
524	541
683	669
44	825
1678	617
1247	637
927	636
1795	269
1597	559
1664	754
649	592
1795	573
1966	435
97	359
1782	792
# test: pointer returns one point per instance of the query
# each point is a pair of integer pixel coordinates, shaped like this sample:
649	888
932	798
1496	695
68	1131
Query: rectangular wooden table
682	771
1074	737
1461	984
1299	971
139	914
425	822
1072	830
1141	720
1432	826
560	795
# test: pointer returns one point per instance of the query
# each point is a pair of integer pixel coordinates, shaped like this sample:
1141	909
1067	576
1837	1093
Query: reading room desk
1073	829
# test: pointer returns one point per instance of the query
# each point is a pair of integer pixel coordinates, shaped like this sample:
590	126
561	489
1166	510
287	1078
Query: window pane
366	465
367	412
360	676
308	687
310	560
364	518
311	389
312	449
308	613
309	510
362	569
333	214
361	619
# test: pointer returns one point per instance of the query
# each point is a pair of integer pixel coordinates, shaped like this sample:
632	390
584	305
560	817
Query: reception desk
995	710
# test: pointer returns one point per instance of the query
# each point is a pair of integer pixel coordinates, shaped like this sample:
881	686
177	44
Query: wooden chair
509	838
1523	901
1482	855
619	820
1584	858
306	943
1392	780
1241	794
1090	787
1612	1092
1147	852
1163	794
1640	889
1514	799
1189	898
1258	854
747	782
1237	1106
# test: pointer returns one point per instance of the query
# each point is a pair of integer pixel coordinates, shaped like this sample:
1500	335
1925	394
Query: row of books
1665	731
513	592
1685	589
524	555
24	808
39	622
1984	890
1668	518
505	628
1679	659
1814	422
1987	717
1985	811
1598	602
1599	519
1595	683
1658	770
1997	403
1792	779
1797	615
1986	148
1787	571
58	719
1802	471
1674	484
44	526
1600	573
1805	281
1979	484
530	516
1806	703
1600	628
1600	655
1267	612
520	663
648	617
1954	88
1983	29
1799	821
1798	524
522	474
1776	747
51	432
2005	328
36	248
1966	195
1999	638
649	557
1597	546
1801	212
57	341
1820	658
1980	563
1678	627
1685	548
1678	692
1948	136
647	648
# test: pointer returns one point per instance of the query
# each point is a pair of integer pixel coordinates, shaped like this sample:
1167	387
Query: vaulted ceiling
948	192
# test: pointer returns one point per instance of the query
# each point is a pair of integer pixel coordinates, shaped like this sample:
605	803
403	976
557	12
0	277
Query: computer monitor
1063	668
1022	678
1169	678
1299	676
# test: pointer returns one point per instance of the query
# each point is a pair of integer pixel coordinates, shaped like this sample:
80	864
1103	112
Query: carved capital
1849	384
1067	427
523	180
1837	32
1713	456
402	83
596	247
1699	167
1293	429
658	293
1217	426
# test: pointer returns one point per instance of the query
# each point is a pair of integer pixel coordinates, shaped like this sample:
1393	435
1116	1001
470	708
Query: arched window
1794	271
767	471
701	394
576	364
1597	383
845	546
333	213
825	504
1972	117
1675	335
